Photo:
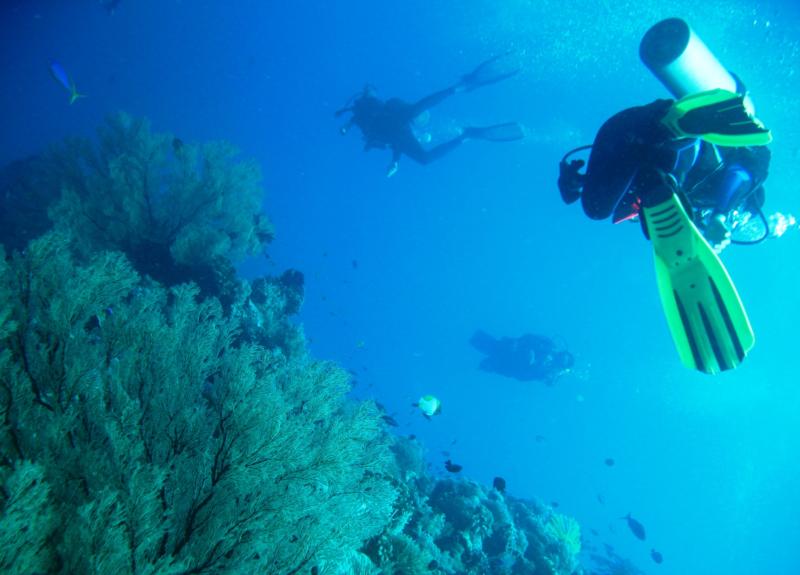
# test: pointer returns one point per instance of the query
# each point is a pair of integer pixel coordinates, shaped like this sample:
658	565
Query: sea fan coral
139	424
174	208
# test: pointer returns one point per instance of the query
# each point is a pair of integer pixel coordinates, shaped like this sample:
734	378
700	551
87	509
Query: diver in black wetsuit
706	146
720	184
525	358
388	124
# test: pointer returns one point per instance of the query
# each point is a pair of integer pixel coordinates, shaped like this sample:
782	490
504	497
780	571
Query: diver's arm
571	180
717	232
733	192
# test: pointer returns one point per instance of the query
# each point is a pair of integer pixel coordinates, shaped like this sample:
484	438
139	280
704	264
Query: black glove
717	233
654	186
570	180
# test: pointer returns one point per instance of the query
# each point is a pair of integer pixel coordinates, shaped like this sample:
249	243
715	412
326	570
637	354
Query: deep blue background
480	239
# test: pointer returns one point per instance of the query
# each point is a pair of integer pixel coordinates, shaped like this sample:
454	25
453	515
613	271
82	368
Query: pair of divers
692	171
390	124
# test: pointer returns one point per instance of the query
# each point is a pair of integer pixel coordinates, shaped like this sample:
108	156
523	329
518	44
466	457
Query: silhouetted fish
500	484
657	557
452	467
636	528
609	461
389	420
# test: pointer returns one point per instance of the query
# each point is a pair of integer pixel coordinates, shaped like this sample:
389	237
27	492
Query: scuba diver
525	358
692	171
389	124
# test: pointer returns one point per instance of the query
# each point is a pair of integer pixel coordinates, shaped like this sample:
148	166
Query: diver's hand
392	170
717	233
570	180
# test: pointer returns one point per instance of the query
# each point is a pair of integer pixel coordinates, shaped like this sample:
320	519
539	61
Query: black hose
575	151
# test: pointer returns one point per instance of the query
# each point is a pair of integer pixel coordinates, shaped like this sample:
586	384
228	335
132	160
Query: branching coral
170	445
264	307
28	520
175	209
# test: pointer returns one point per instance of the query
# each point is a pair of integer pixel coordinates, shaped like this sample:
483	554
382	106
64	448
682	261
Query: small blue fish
61	76
636	528
657	557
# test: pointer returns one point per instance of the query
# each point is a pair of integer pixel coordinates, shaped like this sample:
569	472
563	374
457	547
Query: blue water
479	239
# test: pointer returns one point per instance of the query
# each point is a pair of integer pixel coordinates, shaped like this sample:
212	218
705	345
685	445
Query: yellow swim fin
718	117
707	319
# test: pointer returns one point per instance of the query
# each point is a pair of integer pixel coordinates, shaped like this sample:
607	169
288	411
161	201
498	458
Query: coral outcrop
179	211
161	415
456	526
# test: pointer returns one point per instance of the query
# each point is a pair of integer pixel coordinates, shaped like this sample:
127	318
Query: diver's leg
395	163
416	152
432	100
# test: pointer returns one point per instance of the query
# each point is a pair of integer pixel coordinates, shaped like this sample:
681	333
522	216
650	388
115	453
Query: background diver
692	170
389	124
526	358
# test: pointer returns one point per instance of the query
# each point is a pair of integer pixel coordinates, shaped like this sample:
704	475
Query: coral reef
264	307
177	210
138	437
161	415
456	526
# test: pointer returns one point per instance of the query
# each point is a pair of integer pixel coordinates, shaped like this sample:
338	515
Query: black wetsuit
388	125
525	358
713	179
